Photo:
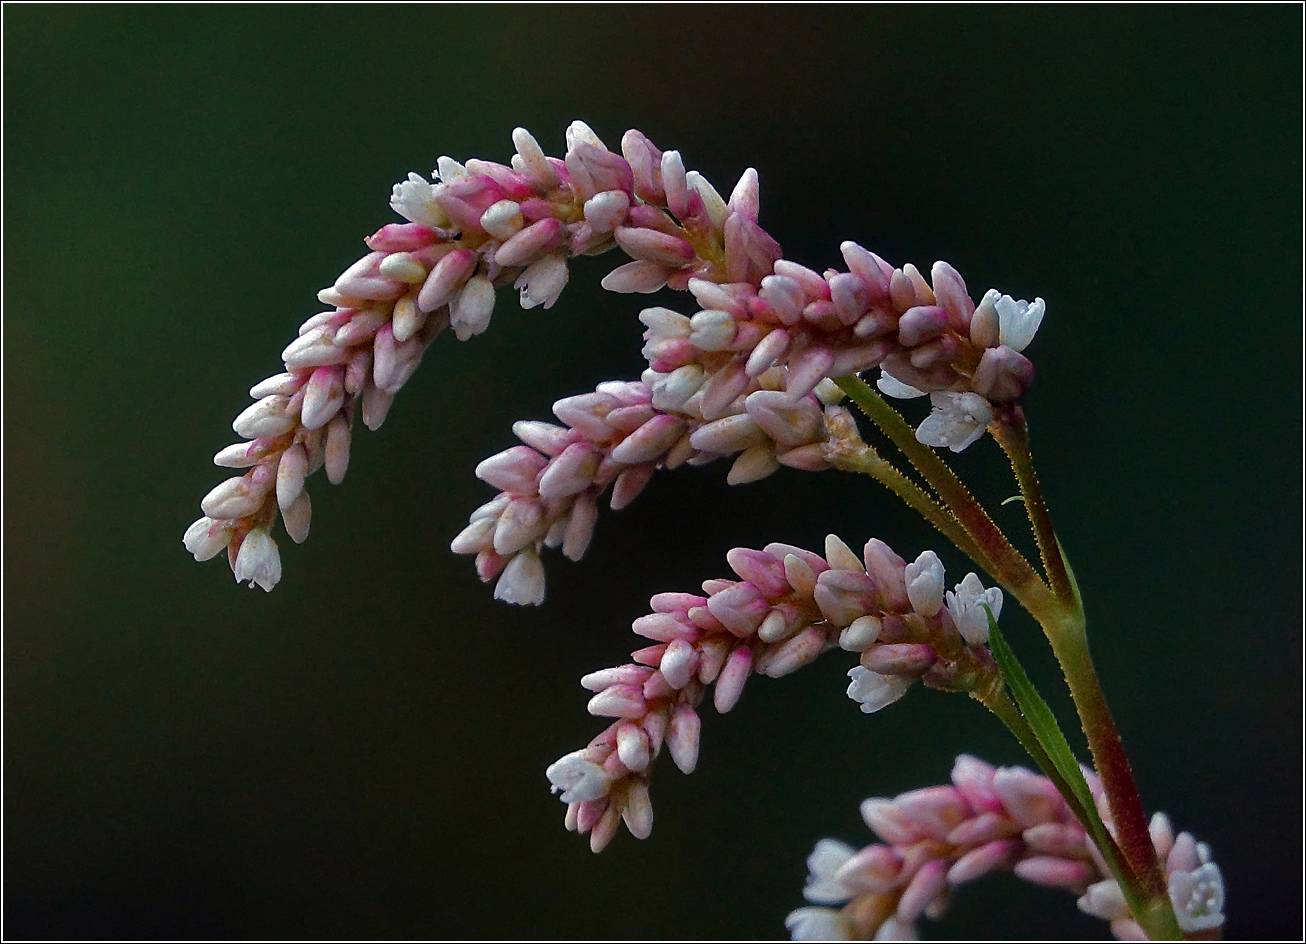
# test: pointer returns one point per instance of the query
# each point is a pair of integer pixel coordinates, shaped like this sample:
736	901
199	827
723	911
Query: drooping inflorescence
787	607
736	376
937	839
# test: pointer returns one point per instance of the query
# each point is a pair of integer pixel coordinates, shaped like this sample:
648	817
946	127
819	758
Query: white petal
1018	321
578	779
891	386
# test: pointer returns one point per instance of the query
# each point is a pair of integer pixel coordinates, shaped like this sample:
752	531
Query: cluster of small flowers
789	606
925	339
616	437
485	225
990	819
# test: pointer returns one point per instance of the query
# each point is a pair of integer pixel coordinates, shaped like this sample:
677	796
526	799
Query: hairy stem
1012	435
1000	558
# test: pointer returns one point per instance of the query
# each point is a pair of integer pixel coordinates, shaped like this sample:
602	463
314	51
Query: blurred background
361	753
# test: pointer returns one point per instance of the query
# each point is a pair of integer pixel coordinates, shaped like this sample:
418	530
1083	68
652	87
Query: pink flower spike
1060	839
985	827
646	167
664	627
470	310
740	607
924	580
763	570
629	484
936	810
634	675
270	416
580	527
297	518
534	164
806	371
606	211
522	523
637	813
234	498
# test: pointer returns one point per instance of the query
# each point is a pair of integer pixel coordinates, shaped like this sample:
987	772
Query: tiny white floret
1198	898
958	420
874	691
967	608
522	581
818	924
543	281
891	386
414	200
829	856
924	579
258	563
577	779
1018	321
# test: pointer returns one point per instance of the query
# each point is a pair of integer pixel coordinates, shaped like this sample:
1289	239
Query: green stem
1070	645
1063	623
1012	435
852	455
999	558
999	702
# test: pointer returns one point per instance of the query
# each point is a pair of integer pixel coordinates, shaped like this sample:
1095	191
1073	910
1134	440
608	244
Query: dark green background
361	752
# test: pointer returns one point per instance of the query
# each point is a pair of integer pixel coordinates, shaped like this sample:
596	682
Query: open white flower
829	856
874	691
543	281
1198	898
578	779
414	199
258	562
818	924
1018	321
958	420
967	608
891	386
